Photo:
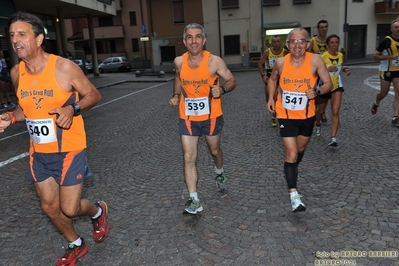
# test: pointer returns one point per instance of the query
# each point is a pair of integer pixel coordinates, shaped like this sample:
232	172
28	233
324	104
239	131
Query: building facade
124	34
237	30
53	13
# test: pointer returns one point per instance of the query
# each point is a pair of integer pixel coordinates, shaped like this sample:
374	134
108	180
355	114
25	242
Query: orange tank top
196	103
292	102
39	93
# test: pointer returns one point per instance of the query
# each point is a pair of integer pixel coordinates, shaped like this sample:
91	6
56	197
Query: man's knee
291	157
215	151
52	209
70	209
189	157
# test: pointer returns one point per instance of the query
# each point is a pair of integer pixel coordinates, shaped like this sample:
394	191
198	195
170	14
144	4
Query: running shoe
323	118
374	109
101	225
318	130
221	182
274	122
72	254
296	204
333	142
193	206
395	121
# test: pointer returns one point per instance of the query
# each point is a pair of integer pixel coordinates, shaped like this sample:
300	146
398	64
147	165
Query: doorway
356	41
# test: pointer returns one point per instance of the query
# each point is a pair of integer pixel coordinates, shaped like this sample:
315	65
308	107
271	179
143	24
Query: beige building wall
247	22
130	32
232	22
166	33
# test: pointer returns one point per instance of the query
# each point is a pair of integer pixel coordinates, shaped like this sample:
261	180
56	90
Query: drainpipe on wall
261	26
220	32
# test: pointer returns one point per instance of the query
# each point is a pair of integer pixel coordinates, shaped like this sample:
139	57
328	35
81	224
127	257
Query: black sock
290	170
299	157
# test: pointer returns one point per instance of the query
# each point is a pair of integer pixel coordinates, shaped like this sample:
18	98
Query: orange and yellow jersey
37	95
272	57
318	47
197	103
334	60
292	102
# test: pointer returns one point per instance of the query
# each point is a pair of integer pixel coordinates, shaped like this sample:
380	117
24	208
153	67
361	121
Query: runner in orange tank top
198	94
48	88
294	78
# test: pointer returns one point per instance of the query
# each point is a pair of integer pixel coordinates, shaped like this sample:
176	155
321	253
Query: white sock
194	195
100	211
77	242
218	171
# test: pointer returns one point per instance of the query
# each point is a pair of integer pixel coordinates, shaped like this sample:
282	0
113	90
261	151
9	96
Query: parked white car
89	65
112	64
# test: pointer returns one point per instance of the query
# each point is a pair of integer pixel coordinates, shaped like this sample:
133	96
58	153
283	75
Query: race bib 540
41	131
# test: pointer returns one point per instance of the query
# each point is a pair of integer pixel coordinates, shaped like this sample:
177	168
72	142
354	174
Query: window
230	4
168	53
135	45
271	2
231	44
302	2
105	21
106	47
178	11
133	20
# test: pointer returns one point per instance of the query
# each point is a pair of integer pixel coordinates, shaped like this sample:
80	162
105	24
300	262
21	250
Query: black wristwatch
224	89
76	109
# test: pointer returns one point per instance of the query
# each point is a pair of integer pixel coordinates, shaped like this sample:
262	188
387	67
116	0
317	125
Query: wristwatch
224	89
263	74
76	109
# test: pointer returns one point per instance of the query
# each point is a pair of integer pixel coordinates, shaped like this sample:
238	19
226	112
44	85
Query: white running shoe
296	204
318	130
333	142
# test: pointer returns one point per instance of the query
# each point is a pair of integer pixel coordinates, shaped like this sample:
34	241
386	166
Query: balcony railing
388	7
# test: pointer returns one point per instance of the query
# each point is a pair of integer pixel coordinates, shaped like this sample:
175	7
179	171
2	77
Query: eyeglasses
300	41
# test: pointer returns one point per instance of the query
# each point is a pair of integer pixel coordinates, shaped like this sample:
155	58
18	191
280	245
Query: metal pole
220	32
142	23
346	31
261	26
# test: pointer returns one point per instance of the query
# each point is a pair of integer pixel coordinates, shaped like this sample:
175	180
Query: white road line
8	137
4	163
374	82
23	155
